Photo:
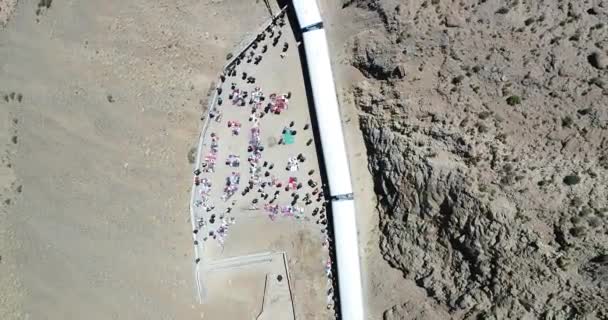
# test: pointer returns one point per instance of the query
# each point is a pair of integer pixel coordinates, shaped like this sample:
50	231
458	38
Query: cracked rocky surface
486	126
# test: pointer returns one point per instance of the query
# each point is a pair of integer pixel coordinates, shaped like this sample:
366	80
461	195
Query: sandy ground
95	195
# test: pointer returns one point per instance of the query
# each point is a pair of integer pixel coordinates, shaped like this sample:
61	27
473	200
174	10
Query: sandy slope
110	107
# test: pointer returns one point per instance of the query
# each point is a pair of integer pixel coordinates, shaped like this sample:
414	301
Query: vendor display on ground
257	188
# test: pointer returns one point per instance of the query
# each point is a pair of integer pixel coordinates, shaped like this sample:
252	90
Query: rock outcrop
487	133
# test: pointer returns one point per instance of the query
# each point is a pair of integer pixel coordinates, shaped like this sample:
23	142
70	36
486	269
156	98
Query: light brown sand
100	228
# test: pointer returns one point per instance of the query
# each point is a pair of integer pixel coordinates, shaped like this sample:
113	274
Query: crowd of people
292	188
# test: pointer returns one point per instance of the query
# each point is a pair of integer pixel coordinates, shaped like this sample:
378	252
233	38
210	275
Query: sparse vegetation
594	222
578	231
484	115
502	10
502	137
567	122
563	262
576	202
482	128
571	180
45	3
513	100
457	80
192	155
584	112
598	82
548	170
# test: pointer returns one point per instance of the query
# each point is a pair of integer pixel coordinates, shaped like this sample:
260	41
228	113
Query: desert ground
477	133
96	178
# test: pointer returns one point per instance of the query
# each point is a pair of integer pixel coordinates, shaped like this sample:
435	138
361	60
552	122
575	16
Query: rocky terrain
6	9
486	125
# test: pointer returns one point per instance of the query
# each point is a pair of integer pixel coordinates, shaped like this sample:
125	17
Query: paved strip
239	261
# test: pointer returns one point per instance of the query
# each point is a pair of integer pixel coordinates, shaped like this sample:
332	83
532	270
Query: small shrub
571	180
603	161
586	211
575	220
597	26
482	128
484	115
12	96
45	3
14	139
576	202
567	122
192	155
594	222
563	262
584	111
19	97
602	258
507	180
575	37
502	137
502	10
578	231
598	82
110	98
513	100
457	80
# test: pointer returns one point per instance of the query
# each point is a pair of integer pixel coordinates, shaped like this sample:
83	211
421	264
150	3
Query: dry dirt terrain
477	132
486	130
99	107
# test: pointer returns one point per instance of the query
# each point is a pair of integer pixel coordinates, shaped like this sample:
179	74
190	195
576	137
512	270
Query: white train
335	158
